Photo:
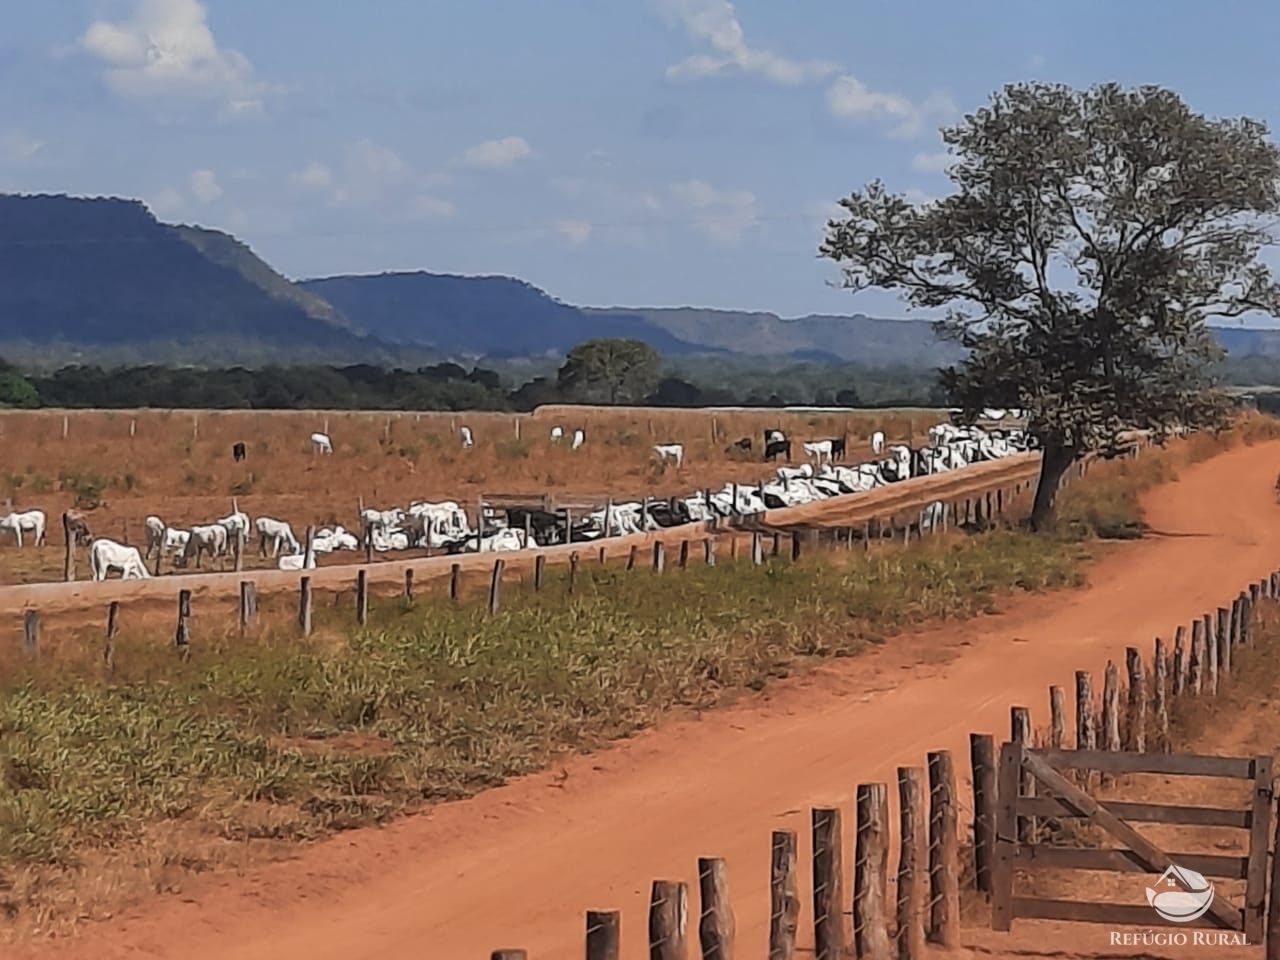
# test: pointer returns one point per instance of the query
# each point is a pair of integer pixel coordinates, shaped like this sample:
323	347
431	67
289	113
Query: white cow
278	532
579	438
32	521
210	539
175	542
237	525
670	451
818	449
802	472
465	433
503	540
297	561
877	442
107	555
320	443
155	534
557	434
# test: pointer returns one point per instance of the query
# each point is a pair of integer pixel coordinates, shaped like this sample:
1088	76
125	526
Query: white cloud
374	177
932	162
722	216
496	154
715	24
849	98
16	145
166	202
167	49
575	231
205	186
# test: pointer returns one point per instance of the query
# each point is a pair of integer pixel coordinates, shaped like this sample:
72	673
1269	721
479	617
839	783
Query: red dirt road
518	866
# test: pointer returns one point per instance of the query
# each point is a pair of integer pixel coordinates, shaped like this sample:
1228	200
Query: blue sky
637	152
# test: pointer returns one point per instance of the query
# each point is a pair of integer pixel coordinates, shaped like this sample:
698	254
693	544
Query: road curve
518	865
854	509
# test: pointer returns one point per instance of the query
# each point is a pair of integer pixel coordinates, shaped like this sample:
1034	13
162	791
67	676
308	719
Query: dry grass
178	464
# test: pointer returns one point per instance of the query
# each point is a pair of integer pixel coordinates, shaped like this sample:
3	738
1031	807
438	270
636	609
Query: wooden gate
1046	792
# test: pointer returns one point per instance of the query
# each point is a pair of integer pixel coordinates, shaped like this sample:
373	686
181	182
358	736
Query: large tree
1088	237
611	370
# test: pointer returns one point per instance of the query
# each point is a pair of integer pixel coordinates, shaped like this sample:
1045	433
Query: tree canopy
612	371
1088	237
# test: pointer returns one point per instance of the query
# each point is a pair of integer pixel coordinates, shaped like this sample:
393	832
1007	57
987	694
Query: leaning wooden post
784	896
668	920
1161	702
1136	739
716	926
1195	666
1057	718
31	632
539	566
1110	713
573	571
659	556
182	636
69	553
604	935
1020	732
455	581
362	597
248	604
828	917
944	867
911	833
495	586
304	606
982	758
113	628
1179	683
870	872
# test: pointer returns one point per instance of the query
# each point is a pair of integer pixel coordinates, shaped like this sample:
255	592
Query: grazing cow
670	451
877	442
238	451
774	447
278	532
320	443
155	535
557	434
818	449
237	525
107	555
32	521
175	542
744	444
465	433
579	438
838	448
78	528
210	539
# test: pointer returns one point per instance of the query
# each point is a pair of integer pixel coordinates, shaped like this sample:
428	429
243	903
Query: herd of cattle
446	526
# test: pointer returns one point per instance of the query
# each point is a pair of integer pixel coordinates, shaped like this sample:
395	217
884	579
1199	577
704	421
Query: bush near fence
429	701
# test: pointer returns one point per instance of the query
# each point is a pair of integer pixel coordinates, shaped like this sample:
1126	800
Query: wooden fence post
182	636
1110	734
716	927
777	545
1020	732
113	628
1136	739
248	604
784	896
709	551
31	632
408	584
911	832
604	935
1057	718
573	571
828	917
1179	683
539	567
1246	621
870	872
368	543
795	545
1086	731
668	920
455	581
69	552
1161	697
684	554
304	606
1224	640
1195	667
1211	649
659	557
982	758
944	867
495	586
362	597
757	549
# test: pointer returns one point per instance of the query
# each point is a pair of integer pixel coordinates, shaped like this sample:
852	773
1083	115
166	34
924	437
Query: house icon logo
1181	895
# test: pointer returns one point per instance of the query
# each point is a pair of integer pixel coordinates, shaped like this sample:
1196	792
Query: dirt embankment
519	865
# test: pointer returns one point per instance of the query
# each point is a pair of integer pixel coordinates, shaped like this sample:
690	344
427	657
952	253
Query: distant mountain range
102	280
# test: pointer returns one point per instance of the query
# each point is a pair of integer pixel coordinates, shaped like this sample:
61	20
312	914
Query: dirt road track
518	866
899	498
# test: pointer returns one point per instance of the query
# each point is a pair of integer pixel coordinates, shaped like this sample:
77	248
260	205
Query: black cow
743	444
838	448
669	514
238	451
544	526
772	450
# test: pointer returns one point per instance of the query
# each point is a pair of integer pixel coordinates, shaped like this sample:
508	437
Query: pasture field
119	466
122	785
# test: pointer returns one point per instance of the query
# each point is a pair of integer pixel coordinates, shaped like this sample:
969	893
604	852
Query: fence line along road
895	505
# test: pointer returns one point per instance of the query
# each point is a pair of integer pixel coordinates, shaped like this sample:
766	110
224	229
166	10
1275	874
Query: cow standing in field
320	443
107	555
238	451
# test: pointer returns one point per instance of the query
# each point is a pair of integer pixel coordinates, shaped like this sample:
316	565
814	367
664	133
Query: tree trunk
1053	465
